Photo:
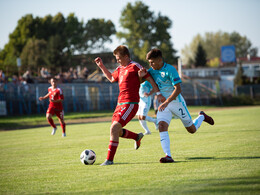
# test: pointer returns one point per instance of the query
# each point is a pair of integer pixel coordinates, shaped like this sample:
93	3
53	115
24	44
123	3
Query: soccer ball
88	157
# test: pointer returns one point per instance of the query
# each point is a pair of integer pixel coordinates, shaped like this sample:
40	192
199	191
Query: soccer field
219	159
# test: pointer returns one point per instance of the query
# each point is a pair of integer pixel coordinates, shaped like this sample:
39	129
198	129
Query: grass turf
219	159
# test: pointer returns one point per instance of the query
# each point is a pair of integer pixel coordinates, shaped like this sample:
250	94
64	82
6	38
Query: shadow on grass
240	185
223	158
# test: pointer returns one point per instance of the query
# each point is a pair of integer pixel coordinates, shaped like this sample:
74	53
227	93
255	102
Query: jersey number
182	113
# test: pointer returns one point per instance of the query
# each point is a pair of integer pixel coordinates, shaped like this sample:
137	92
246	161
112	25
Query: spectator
43	75
28	77
75	74
85	73
2	76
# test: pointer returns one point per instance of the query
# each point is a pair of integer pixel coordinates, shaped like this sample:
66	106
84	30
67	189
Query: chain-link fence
22	99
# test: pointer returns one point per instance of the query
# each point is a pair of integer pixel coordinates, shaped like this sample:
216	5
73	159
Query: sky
189	17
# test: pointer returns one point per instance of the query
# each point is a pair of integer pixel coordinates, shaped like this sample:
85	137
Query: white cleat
107	162
63	134
53	131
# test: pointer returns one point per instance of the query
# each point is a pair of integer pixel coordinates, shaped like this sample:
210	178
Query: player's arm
155	89
61	98
105	71
44	97
173	96
56	101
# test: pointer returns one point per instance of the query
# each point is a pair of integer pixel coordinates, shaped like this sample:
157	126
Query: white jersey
145	102
166	78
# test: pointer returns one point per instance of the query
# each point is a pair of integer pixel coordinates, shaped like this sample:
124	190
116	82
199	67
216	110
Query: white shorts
144	106
177	109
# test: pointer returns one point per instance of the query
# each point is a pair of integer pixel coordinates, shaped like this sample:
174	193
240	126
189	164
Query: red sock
51	122
129	134
111	150
63	127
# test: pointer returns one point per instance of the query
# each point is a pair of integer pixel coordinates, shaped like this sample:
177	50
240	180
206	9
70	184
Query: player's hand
146	94
161	98
40	98
163	106
142	72
98	61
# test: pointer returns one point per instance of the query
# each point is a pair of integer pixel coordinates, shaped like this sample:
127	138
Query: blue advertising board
228	53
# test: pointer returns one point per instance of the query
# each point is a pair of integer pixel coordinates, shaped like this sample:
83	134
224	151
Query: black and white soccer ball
88	157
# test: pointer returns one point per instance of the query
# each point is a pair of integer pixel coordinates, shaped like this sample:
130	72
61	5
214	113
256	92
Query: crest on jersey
162	74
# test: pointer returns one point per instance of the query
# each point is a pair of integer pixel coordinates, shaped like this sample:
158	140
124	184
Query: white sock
165	142
197	121
144	125
151	119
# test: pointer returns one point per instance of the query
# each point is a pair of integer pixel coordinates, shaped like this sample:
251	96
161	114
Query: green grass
25	121
219	159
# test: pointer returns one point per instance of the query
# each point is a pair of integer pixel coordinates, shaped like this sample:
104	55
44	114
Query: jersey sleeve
174	76
61	96
115	75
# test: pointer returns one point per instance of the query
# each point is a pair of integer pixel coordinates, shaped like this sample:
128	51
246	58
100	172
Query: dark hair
122	51
55	79
154	53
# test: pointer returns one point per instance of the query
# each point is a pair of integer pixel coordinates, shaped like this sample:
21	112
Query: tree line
54	41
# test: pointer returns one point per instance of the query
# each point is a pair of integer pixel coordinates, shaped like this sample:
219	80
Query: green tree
144	30
97	33
239	78
33	55
55	58
200	56
63	36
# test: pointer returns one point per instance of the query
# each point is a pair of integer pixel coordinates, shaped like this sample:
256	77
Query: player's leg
49	115
153	120
115	130
60	115
198	121
143	123
148	118
122	115
164	118
127	113
142	113
184	115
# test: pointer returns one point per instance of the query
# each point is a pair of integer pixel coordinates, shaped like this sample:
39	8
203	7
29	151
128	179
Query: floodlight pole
179	67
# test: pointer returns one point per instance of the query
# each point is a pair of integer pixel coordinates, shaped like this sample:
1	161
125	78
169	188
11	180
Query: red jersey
129	83
55	94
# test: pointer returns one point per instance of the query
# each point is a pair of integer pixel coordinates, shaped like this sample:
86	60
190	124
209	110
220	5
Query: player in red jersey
56	97
127	76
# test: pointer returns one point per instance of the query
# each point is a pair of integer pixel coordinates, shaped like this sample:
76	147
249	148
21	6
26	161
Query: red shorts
59	113
124	113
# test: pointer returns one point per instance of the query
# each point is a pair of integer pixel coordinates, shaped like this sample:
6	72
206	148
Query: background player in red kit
56	97
127	76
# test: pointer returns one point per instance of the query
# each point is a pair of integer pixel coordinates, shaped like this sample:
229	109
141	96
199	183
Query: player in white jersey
168	81
145	92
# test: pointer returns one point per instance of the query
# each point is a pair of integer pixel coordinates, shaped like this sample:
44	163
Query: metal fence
79	97
22	99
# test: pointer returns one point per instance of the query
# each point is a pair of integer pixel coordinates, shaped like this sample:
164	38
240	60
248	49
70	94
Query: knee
115	128
163	126
141	117
191	129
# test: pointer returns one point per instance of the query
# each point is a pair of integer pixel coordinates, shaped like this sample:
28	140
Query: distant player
168	81
145	92
56	98
128	78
